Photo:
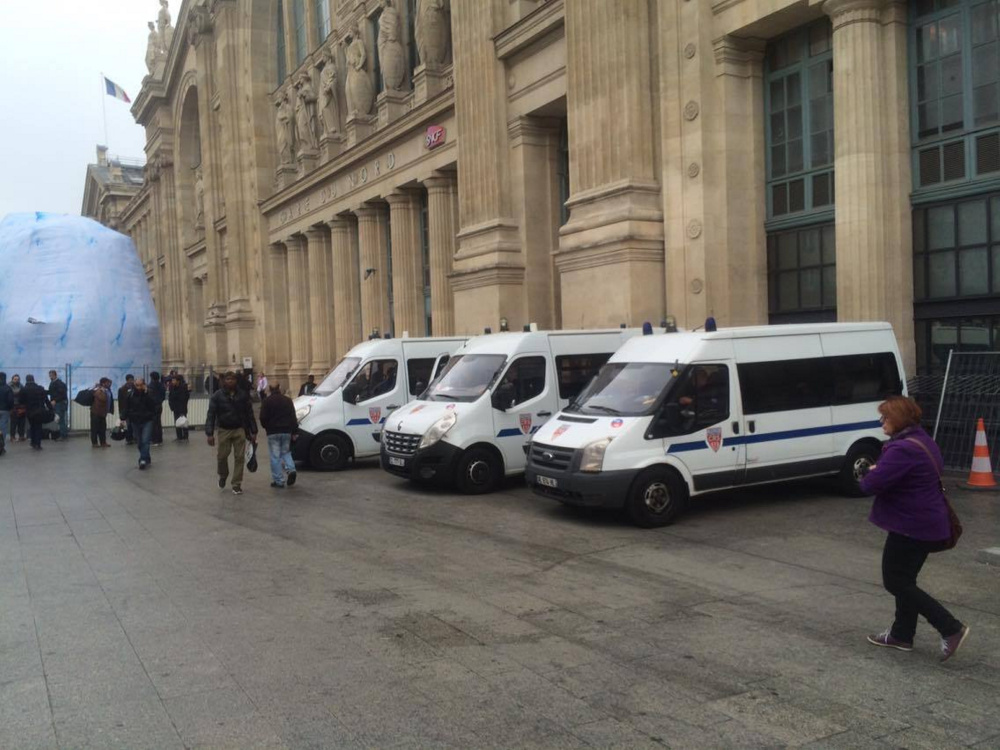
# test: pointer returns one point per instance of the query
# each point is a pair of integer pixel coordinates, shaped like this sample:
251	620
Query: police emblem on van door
714	438
525	423
375	415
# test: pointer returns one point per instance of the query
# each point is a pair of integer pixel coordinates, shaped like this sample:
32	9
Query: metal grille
969	389
930	166
988	153
550	457
401	443
954	160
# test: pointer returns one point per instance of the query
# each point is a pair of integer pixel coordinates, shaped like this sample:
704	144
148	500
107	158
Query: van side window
375	378
524	379
703	398
418	372
863	378
576	370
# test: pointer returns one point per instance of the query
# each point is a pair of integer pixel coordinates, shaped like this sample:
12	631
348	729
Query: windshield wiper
605	409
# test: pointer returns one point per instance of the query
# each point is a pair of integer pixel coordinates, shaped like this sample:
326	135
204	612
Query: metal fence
953	402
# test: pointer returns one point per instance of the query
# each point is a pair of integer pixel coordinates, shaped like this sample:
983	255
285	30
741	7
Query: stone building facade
111	183
323	170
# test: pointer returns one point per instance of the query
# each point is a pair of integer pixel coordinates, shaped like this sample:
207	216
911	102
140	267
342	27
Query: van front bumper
608	489
434	464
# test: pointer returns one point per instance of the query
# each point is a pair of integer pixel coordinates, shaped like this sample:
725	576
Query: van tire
658	495
329	453
478	472
858	455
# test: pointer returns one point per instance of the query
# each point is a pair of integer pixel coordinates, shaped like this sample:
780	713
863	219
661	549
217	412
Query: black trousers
158	428
182	432
902	559
98	429
17	425
35	433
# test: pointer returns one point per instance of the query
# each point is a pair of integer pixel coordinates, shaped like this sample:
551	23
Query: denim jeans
60	409
279	449
143	433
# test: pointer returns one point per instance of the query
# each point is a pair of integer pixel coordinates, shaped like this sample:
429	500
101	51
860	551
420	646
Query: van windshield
338	376
466	378
627	389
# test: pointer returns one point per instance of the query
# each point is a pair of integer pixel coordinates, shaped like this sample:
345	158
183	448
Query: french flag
115	90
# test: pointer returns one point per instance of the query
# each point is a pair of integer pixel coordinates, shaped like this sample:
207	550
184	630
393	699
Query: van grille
551	457
401	443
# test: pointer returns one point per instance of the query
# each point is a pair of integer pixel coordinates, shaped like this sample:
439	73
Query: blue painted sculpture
73	292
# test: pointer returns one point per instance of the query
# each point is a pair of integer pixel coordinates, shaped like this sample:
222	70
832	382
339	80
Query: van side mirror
503	396
667	422
351	393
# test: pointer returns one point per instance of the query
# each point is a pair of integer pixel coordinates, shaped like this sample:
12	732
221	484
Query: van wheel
329	453
657	497
859	457
478	472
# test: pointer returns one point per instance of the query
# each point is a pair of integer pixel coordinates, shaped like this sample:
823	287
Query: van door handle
392	407
752	426
545	414
736	428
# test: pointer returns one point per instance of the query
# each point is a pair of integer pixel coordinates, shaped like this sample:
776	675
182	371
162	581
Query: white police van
341	420
681	414
472	424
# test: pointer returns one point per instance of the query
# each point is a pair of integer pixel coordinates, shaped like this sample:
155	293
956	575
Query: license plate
396	461
546	481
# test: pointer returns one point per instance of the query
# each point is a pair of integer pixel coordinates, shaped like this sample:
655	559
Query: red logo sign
375	415
436	136
714	438
559	431
415	409
525	423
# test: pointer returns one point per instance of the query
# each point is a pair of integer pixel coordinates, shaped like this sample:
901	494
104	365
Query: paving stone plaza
151	609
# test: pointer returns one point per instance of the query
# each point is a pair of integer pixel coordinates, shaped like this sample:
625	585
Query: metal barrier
79	416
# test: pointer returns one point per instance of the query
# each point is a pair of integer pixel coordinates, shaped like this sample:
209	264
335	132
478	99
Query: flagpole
104	108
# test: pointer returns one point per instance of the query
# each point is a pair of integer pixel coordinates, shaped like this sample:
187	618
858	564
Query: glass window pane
940	227
809	247
941	274
995	214
795	162
829	244
985	67
985	105
819	38
779	199
996	268
944	338
928	123
974	335
952	117
927	82
794	120
918	231
778	127
821	155
972	223
830	286
794	89
973	272
818	76
924	7
787	251
778	95
810	288
788	291
984	22
927	43
820	115
778	161
951	75
919	277
950	34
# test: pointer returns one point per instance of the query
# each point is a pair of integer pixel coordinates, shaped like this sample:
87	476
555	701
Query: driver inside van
705	397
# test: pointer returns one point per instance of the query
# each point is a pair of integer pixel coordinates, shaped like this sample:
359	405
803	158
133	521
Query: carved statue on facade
199	199
154	49
329	99
390	49
164	26
284	128
305	113
432	32
360	92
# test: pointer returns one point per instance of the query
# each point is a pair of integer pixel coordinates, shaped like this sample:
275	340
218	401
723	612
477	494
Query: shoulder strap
926	450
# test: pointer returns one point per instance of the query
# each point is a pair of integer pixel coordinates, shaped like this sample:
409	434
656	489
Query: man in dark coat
123	414
59	396
308	387
180	394
142	410
6	405
35	401
230	411
159	394
277	416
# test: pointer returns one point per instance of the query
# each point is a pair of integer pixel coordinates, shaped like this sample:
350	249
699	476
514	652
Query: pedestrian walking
910	505
38	411
103	405
308	387
180	394
18	414
59	396
262	386
230	423
6	406
159	394
123	415
142	409
277	417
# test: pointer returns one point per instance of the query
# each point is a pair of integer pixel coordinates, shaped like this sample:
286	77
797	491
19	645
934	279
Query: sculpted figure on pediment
154	49
390	49
360	92
199	199
432	32
305	113
164	25
329	97
284	128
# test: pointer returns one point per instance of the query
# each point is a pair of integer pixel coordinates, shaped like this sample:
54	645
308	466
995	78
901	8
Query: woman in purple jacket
909	505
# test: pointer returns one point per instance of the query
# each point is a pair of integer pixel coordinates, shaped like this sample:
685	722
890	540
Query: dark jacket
157	391
907	488
230	411
277	415
57	391
104	402
6	396
123	393
35	400
179	397
141	406
307	389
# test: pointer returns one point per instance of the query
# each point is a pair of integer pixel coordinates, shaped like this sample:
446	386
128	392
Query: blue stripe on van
356	422
774	436
514	431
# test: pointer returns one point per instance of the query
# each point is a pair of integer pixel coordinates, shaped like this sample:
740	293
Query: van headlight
593	455
438	430
302	412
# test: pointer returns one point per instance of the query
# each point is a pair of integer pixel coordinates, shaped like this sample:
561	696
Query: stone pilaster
614	236
442	199
298	310
407	263
874	273
277	316
321	319
346	295
372	242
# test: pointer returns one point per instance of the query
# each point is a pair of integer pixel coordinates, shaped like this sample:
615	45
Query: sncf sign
435	137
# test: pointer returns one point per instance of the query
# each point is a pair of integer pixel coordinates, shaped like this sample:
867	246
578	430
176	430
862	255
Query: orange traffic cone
981	474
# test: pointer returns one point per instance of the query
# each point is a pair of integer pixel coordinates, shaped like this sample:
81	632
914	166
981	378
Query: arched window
282	60
301	31
323	21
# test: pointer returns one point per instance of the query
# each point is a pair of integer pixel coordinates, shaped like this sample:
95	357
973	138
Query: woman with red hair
911	507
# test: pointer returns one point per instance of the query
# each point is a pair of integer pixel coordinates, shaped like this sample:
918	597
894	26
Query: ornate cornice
738	56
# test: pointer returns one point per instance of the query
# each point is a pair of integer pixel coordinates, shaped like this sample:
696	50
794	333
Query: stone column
276	318
874	273
347	311
372	240
407	263
442	195
321	321
298	310
614	237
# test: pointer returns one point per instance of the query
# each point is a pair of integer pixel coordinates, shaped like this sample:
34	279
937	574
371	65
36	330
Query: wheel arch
338	433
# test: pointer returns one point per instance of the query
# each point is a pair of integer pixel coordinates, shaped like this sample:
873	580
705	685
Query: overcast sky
52	53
